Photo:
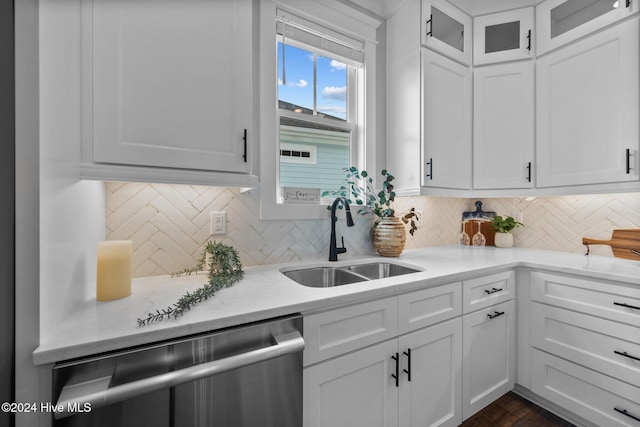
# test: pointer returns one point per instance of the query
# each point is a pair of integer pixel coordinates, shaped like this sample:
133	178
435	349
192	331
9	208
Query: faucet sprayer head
347	212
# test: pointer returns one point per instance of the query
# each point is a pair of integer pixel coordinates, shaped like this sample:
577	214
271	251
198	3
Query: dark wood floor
512	410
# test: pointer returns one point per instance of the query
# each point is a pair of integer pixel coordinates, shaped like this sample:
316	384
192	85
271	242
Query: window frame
331	15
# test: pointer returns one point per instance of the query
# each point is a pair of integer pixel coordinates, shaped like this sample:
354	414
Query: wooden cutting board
623	242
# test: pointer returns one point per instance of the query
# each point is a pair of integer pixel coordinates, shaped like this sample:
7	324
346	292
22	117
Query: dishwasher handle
97	394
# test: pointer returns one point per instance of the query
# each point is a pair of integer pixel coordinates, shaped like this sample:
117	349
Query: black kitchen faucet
333	249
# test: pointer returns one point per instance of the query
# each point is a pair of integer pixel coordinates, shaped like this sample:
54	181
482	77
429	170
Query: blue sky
331	81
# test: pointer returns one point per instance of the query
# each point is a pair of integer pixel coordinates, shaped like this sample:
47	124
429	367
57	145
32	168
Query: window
317	85
329	116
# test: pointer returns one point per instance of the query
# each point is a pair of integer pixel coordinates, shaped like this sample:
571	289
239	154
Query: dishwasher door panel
247	376
254	396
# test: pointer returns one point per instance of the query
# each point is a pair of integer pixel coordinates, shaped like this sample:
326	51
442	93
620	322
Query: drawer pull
625	354
396	376
622	304
624	412
408	370
495	314
492	291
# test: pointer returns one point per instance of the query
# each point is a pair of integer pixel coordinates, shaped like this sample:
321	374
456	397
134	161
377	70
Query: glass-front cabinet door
504	36
446	29
561	21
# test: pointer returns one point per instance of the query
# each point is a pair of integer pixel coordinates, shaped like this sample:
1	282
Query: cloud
300	83
332	92
337	65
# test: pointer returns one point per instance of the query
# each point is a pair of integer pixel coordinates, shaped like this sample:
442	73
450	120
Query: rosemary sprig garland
224	271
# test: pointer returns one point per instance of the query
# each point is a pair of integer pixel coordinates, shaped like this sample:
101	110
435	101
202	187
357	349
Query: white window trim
330	14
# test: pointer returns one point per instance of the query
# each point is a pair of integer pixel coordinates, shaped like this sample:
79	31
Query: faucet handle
342	249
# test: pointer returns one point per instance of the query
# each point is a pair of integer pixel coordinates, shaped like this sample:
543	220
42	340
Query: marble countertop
97	327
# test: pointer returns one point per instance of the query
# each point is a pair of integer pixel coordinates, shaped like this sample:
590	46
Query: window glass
447	29
573	13
332	88
501	37
295	83
315	133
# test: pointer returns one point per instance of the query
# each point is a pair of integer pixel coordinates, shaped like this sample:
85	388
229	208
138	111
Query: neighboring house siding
331	158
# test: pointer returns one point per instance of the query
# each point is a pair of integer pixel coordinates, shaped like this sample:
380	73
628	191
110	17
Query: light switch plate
218	222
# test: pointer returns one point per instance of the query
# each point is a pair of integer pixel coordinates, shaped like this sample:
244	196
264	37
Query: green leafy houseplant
504	224
225	270
358	189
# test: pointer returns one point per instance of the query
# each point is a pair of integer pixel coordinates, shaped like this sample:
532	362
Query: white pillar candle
114	270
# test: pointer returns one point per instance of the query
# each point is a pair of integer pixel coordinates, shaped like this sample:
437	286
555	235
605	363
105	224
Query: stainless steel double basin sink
325	277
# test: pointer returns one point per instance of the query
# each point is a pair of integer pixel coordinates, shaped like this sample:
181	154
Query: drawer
612	301
609	347
429	306
332	333
589	394
488	290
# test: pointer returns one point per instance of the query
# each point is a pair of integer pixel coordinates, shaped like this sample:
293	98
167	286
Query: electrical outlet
218	222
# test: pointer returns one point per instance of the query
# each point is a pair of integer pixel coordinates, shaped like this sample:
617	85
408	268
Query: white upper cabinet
169	87
446	133
504	36
587	110
447	29
503	131
561	21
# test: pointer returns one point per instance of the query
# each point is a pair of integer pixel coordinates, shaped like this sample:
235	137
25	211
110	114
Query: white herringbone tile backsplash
169	224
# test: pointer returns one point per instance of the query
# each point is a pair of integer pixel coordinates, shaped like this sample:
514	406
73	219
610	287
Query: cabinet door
446	133
431	387
587	110
598	398
171	83
504	36
503	108
429	306
446	29
559	22
488	365
336	332
609	347
353	390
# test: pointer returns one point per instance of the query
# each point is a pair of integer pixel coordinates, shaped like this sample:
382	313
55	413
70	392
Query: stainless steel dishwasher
246	376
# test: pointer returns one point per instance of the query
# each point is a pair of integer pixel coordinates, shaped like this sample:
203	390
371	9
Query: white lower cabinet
585	351
438	369
374	365
488	365
411	381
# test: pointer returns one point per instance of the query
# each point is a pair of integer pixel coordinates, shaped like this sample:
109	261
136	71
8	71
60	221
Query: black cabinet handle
622	304
628	3
430	164
529	40
430	24
529	172
396	376
624	412
628	161
408	370
625	354
244	138
492	291
495	314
